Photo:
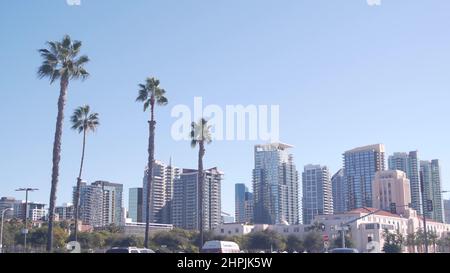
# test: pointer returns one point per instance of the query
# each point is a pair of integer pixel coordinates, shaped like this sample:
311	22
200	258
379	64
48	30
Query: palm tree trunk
56	159
77	192
201	153
151	159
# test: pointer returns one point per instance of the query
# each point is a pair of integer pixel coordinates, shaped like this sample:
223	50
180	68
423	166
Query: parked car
344	250
129	250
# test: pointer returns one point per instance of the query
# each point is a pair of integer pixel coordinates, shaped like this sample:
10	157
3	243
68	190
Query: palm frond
162	100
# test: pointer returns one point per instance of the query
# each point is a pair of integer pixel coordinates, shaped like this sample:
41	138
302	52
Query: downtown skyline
309	78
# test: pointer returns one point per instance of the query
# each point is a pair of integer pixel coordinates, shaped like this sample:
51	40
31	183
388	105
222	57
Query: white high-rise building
185	200
91	204
317	192
161	193
409	163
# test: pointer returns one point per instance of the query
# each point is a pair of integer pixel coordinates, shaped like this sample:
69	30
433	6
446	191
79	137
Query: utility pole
25	230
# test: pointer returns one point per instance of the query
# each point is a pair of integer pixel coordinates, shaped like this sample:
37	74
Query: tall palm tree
60	62
200	135
150	94
83	121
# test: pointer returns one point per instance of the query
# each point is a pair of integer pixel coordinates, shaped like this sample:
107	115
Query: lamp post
1	229
25	230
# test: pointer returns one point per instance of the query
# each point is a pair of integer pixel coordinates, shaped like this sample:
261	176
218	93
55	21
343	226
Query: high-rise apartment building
275	185
409	163
360	166
112	202
339	186
391	188
161	193
91	204
185	199
135	205
430	174
317	192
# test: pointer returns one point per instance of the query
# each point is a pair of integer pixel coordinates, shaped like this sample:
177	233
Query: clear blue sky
344	74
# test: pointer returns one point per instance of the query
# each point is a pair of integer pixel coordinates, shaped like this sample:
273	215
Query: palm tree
200	135
83	121
60	62
411	242
150	94
433	238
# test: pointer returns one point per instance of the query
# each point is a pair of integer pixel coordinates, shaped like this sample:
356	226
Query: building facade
360	165
243	204
8	203
430	174
135	205
185	199
317	192
239	202
161	192
65	212
409	163
91	204
112	206
339	188
275	185
391	189
447	211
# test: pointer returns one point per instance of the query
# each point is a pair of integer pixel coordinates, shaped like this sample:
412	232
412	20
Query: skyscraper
317	192
391	187
112	202
185	200
162	193
430	173
409	163
360	166
243	204
91	204
275	185
339	192
135	202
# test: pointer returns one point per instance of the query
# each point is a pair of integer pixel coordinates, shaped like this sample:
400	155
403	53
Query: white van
220	247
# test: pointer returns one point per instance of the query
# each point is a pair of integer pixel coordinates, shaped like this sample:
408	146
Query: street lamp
25	230
1	229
